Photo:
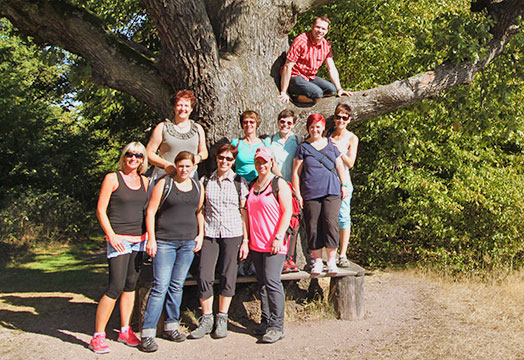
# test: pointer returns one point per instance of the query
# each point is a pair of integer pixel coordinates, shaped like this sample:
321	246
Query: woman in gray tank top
173	136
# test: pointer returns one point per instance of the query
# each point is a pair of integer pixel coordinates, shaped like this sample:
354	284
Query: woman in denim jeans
175	233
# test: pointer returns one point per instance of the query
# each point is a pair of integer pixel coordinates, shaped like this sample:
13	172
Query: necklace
259	188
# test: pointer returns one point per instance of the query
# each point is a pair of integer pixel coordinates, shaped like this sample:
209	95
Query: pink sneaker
99	345
129	338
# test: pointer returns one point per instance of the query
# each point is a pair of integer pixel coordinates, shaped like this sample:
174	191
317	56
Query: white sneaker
317	267
332	267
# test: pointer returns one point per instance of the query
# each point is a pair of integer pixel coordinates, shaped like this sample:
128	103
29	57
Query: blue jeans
313	89
170	267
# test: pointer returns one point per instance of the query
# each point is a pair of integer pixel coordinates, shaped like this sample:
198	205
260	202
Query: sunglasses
129	154
342	117
250	122
227	158
286	122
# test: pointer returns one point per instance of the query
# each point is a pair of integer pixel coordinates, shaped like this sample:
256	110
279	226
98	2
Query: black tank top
176	219
126	208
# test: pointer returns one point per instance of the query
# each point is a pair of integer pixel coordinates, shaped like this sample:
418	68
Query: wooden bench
346	289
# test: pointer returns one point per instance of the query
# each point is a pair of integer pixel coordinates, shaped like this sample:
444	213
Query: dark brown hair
227	147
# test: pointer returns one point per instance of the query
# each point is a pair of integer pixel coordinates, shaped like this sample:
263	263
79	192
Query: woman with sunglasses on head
248	145
225	241
347	143
180	134
320	181
175	229
284	146
120	211
269	218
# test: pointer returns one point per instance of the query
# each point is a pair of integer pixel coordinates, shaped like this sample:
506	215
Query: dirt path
392	304
407	317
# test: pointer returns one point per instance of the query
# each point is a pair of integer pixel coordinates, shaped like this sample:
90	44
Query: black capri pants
225	252
321	219
123	273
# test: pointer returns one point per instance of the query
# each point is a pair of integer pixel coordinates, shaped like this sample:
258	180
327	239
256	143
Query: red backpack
294	223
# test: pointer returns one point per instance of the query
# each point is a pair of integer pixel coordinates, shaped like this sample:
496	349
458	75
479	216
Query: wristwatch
279	237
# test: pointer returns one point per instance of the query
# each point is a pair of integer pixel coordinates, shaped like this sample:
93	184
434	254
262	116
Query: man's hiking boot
220	326
205	326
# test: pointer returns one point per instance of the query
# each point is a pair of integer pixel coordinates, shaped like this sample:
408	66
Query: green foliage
440	183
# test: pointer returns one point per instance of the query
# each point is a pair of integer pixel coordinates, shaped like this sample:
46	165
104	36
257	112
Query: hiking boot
292	266
317	267
205	326
221	326
272	336
129	338
173	335
99	345
332	268
343	262
148	344
261	329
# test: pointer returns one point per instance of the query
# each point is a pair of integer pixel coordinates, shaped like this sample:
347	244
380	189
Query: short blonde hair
137	147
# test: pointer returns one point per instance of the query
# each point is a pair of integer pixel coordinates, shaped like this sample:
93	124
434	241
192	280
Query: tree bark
229	52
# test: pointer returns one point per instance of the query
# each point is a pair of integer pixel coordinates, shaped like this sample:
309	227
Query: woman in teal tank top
248	145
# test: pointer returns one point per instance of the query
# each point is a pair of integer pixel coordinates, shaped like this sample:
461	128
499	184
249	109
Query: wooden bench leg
347	295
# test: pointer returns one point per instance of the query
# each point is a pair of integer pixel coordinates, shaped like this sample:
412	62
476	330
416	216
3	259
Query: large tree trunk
229	53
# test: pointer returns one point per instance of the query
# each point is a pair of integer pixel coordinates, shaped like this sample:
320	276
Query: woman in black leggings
120	211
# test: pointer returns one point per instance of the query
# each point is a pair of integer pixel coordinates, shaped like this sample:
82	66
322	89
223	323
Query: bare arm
202	147
109	185
152	208
343	175
152	147
351	156
286	205
295	179
335	78
244	247
284	81
200	220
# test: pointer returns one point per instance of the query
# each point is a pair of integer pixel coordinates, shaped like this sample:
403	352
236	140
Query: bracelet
345	185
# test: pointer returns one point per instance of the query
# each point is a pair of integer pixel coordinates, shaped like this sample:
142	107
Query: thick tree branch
402	93
114	62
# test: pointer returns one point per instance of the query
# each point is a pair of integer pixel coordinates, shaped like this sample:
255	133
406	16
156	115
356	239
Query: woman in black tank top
120	211
175	228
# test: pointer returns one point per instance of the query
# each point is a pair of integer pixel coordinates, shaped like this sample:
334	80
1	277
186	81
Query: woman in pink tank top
268	221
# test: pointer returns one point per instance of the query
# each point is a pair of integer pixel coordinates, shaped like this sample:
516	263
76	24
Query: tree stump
347	295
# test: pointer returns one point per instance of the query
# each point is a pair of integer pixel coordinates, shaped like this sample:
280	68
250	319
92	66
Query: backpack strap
274	186
168	186
238	185
323	159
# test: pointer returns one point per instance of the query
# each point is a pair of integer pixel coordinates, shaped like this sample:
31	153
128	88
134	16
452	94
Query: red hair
185	94
314	118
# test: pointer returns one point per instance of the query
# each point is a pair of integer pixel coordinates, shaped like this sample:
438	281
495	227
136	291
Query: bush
31	216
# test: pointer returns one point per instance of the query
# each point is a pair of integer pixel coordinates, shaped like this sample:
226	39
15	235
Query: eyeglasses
250	122
130	154
227	158
342	117
286	122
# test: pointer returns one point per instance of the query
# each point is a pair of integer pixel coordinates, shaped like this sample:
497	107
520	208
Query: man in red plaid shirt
305	56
